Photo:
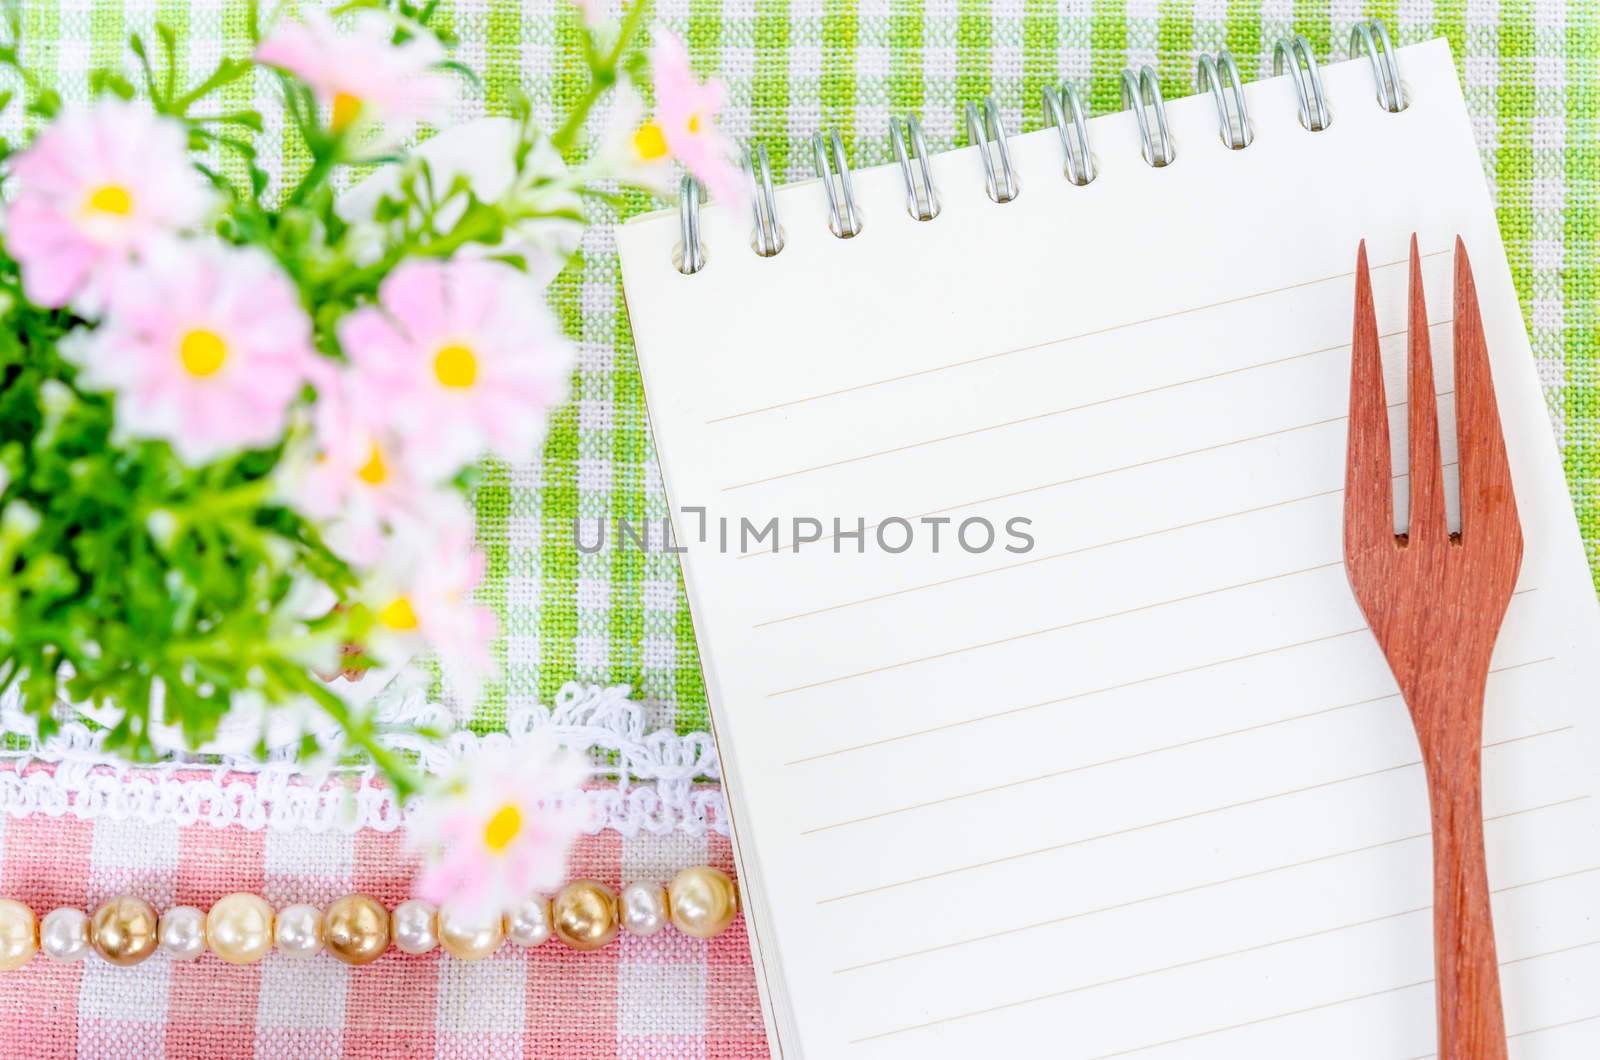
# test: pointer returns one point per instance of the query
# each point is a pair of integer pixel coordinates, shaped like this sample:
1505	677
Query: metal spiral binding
1142	93
923	207
842	216
1209	74
1079	162
1002	187
1295	52
691	255
769	235
1063	109
1373	36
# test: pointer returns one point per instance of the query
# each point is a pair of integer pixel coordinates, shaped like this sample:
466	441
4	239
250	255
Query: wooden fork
1435	601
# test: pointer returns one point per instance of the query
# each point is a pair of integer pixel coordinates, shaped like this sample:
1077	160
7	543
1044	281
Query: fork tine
1368	481
1488	506
1427	520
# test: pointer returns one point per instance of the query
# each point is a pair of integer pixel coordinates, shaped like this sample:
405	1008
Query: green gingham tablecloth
1531	71
1532	78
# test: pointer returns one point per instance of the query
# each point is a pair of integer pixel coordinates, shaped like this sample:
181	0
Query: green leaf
46	104
109	82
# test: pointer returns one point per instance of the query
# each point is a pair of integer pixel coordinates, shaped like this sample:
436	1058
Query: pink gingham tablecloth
661	998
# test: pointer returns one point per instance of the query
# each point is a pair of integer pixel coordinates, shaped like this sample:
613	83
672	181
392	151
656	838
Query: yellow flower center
374	471
455	366
503	828
111	198
694	124
398	614
202	352
649	143
346	109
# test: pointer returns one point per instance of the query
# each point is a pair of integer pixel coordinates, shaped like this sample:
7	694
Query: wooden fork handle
1466	970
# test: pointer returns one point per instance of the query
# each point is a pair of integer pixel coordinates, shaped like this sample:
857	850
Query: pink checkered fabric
660	998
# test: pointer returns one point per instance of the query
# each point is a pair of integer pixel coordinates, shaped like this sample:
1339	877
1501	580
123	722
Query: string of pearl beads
357	929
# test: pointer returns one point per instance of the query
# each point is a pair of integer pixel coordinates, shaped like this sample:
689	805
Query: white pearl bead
64	934
239	928
644	908
298	931
183	932
528	922
414	926
470	937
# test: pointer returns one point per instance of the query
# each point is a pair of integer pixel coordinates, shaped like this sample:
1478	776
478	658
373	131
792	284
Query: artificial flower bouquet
240	411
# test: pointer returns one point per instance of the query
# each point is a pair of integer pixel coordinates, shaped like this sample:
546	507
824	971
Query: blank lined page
1131	779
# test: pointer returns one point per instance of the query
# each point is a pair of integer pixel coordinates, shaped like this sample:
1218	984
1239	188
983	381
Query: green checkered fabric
1532	77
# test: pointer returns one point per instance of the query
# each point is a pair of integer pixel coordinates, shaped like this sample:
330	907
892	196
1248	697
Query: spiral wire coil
1077	158
1141	93
1373	37
843	219
692	254
1064	110
993	145
769	235
1209	74
923	204
1295	53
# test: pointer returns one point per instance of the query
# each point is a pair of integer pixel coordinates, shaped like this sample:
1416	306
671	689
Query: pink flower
420	596
632	149
503	830
97	186
351	472
362	74
594	12
205	346
685	123
467	356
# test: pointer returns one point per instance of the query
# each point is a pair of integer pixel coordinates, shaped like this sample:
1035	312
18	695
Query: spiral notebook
1112	768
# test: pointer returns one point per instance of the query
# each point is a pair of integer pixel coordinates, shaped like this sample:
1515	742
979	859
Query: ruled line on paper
778	546
1539	1030
1058	994
1036	417
1528	1033
1057	773
1051	922
1332	1004
1053	847
1032	561
1052	342
1009	711
1321	933
850	598
1059	628
1282	1015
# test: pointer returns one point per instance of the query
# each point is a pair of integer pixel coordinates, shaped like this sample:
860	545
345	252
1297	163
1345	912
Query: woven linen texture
665	996
1531	72
796	66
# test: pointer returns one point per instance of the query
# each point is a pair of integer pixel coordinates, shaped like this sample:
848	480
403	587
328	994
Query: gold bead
125	930
239	928
356	929
585	914
470	938
19	935
703	901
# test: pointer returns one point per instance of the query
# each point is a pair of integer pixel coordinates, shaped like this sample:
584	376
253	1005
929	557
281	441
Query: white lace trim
641	782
